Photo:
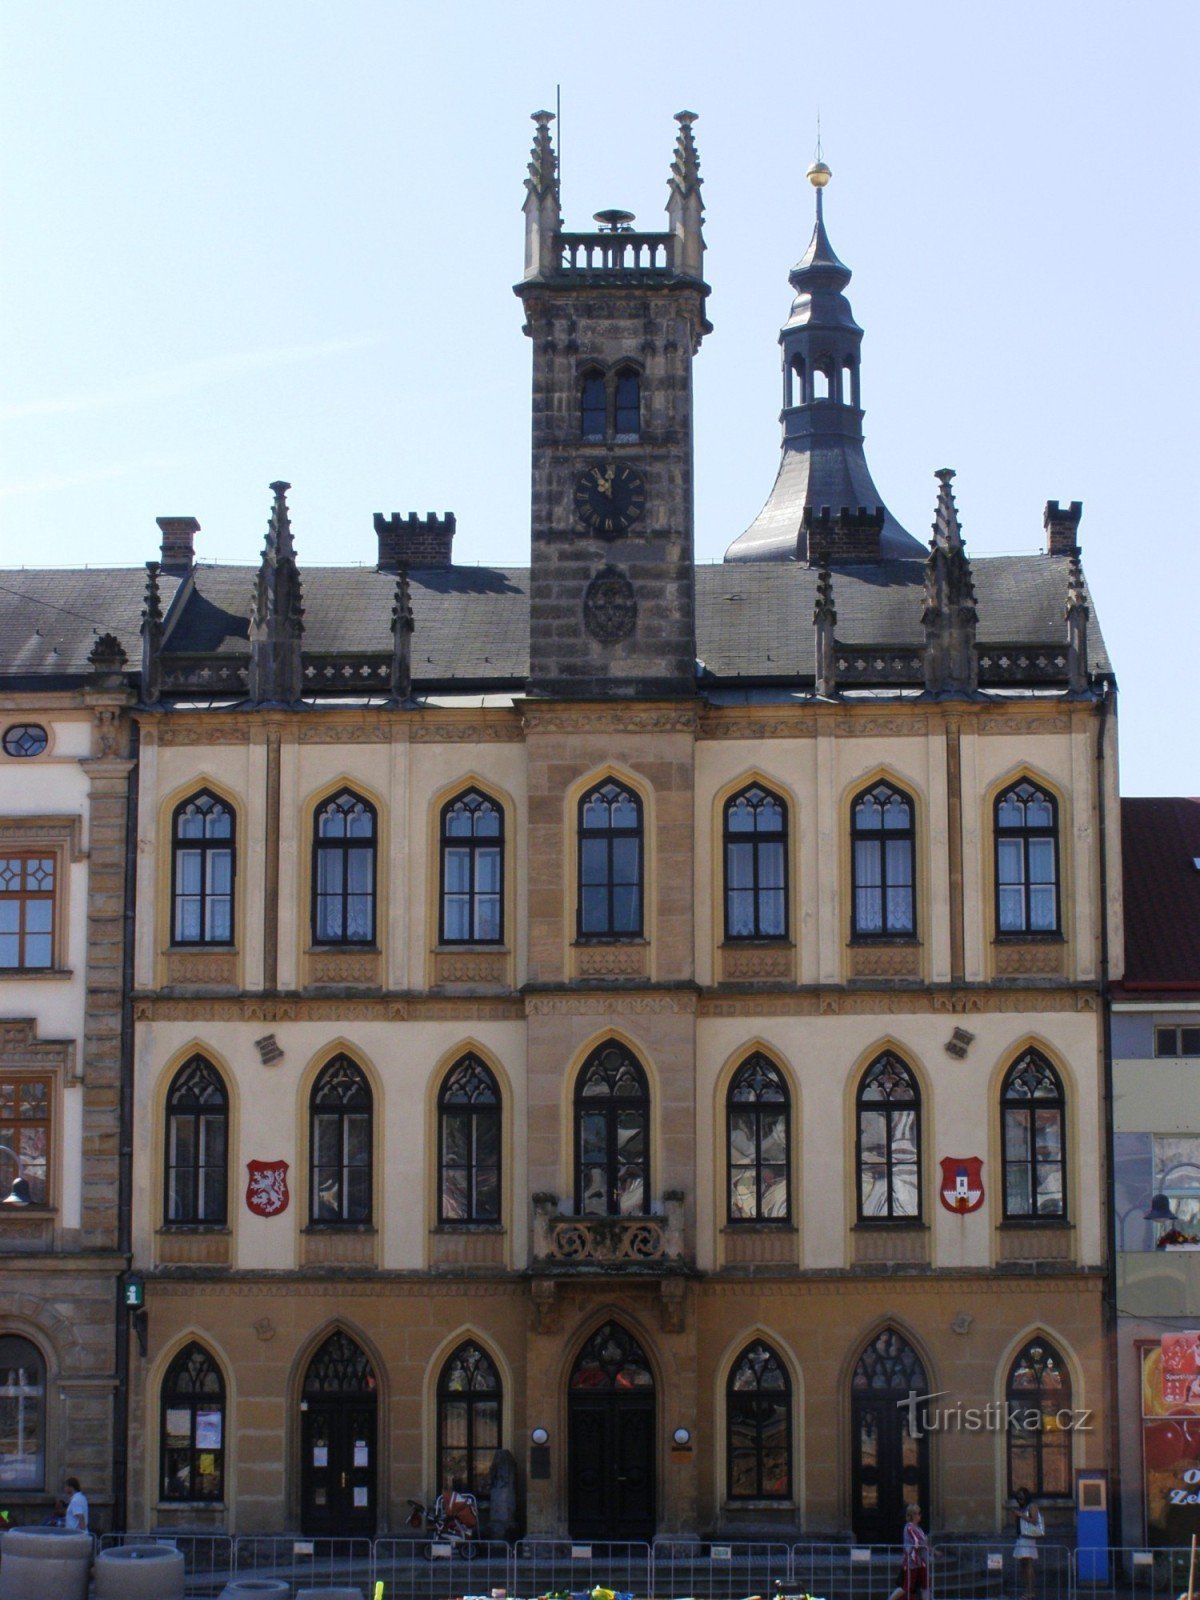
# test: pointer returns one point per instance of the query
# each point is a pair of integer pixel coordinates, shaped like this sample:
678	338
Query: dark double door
889	1448
338	1443
611	1440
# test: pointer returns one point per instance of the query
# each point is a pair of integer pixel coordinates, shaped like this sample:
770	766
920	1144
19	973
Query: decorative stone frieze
193	1248
758	963
1035	959
470	966
612	961
885	960
355	969
899	1246
1035	1243
337	1247
207	969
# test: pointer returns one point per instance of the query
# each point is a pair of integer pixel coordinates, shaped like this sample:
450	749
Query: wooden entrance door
889	1452
611	1439
338	1442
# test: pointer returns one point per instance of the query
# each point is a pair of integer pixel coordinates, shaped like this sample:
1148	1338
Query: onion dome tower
824	502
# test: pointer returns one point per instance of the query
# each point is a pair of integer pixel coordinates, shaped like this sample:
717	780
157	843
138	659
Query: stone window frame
610	376
909	835
23	1054
472	1113
60	837
179	1362
758	1495
472	1399
206	847
1008	1102
756	839
475	843
224	1112
1025	835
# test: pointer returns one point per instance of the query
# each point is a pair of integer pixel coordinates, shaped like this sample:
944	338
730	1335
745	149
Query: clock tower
615	316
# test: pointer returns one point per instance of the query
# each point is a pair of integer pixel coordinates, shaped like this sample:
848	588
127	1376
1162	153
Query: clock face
609	498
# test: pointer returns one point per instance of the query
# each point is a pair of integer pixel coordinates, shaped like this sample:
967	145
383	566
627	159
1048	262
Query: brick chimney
414	541
178	545
852	535
1062	527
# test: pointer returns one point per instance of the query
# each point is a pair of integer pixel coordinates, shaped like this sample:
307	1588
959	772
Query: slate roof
753	620
1160	845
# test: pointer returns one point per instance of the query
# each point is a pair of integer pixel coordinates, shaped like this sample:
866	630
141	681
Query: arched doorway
610	1439
337	1441
889	1448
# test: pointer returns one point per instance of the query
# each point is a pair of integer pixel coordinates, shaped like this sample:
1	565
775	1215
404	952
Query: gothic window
468	1420
612	1361
472	870
340	1144
1039	1404
1026	861
758	1421
197	1145
755	865
202	869
889	1142
1032	1132
883	848
612	1135
593	408
469	1141
192	1455
26	1099
22	1414
344	871
756	1112
629	407
27	889
610	863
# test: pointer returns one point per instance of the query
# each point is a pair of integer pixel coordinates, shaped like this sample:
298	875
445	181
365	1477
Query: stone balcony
564	1243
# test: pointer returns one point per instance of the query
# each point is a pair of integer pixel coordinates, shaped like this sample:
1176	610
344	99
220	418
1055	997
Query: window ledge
756	942
454	1228
339	1227
783	1503
14	1213
765	1225
1057	937
872	939
890	1225
34	974
185	1505
588	941
1013	1223
192	945
194	1228
359	946
491	947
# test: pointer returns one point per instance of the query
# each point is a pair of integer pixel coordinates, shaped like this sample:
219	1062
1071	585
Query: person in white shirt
77	1506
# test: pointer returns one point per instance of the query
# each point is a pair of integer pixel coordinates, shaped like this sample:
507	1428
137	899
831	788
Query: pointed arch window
192	1405
203	848
612	1135
628	413
757	1117
610	863
593	408
1027	861
469	1142
340	1110
197	1176
1038	1392
472	909
344	870
469	1403
889	1142
22	1414
755	865
1032	1135
758	1423
882	863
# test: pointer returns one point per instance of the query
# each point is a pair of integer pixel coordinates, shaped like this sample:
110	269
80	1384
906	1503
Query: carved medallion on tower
609	498
610	606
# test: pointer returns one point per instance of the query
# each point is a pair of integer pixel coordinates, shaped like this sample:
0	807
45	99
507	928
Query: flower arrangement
1176	1236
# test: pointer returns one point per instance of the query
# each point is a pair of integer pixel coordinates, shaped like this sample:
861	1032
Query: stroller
453	1521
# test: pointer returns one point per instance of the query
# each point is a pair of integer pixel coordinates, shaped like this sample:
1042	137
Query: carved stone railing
567	1241
205	675
615	252
878	664
348	672
1012	663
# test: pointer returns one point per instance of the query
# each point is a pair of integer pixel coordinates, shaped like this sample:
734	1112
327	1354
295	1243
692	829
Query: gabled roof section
1160	846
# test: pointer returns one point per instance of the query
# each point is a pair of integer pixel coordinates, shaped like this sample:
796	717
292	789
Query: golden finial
819	174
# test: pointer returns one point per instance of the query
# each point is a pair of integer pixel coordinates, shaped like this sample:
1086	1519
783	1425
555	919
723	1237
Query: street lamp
20	1194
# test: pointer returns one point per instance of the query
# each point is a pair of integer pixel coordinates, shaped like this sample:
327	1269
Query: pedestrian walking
1030	1529
77	1506
914	1566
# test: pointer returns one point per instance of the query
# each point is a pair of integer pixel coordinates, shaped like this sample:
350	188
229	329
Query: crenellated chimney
852	535
178	545
414	541
1062	527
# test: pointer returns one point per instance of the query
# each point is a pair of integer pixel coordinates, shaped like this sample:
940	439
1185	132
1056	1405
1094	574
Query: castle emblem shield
962	1183
267	1191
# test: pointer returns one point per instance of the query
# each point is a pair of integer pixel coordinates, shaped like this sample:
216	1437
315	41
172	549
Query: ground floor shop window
468	1420
1040	1422
193	1427
1170	1377
22	1415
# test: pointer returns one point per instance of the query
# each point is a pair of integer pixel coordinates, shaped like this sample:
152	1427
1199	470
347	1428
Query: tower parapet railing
616	252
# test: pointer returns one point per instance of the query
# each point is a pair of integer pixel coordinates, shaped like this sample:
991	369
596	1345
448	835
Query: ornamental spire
950	615
685	210
543	214
152	636
402	632
1077	613
825	623
276	613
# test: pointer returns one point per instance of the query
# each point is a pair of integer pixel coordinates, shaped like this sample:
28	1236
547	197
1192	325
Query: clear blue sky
249	240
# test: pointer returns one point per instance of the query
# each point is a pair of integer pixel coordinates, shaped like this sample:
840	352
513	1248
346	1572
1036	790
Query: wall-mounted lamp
540	1436
1160	1210
20	1194
682	1436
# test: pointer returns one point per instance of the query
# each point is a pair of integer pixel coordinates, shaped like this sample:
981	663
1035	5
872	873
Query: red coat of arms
962	1183
267	1192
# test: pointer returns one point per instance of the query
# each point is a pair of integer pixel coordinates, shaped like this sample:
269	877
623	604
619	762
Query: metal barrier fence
720	1571
421	1569
571	1566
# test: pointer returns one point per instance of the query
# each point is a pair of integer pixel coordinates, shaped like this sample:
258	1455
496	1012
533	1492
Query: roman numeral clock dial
609	498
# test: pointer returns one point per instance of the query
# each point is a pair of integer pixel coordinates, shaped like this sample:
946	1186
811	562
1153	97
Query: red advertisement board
1171	1438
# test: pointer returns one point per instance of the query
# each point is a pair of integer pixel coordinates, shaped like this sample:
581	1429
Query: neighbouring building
641	1015
64	825
1156	1120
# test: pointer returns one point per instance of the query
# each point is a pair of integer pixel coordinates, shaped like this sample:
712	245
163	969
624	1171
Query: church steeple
823	469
